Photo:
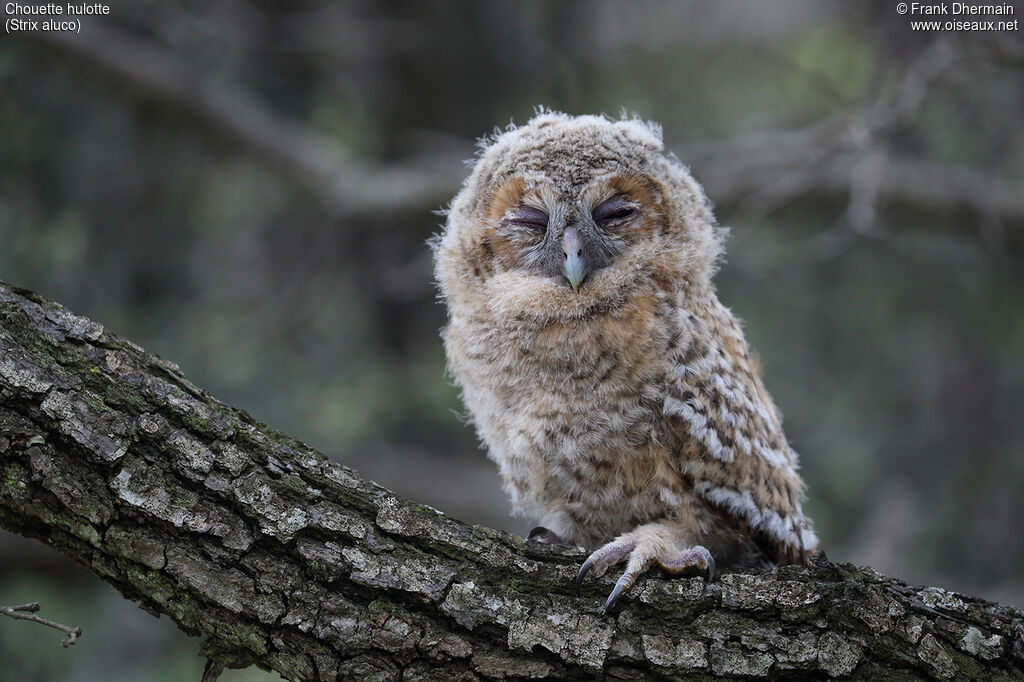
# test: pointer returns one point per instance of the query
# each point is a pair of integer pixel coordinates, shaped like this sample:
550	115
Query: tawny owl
615	392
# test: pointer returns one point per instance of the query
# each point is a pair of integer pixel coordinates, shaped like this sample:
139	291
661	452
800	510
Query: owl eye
527	216
613	211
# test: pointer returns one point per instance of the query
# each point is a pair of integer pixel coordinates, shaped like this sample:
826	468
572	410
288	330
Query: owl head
568	216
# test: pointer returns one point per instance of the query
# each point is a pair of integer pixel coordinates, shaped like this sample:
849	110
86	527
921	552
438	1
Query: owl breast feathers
614	391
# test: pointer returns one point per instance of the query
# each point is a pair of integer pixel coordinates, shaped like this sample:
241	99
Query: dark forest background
247	189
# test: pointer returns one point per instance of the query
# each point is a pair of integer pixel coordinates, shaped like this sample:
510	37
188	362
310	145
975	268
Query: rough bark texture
280	558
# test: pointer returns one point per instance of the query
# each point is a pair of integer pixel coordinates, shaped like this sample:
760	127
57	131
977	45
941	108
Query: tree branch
770	169
851	154
318	162
764	170
280	558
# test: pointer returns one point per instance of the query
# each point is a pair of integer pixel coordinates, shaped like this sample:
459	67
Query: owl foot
542	534
643	553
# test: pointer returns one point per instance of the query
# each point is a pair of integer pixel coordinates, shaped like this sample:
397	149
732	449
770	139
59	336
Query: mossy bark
282	559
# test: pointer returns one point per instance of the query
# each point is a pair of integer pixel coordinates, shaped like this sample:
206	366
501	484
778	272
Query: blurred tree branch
847	154
281	559
850	154
346	185
797	166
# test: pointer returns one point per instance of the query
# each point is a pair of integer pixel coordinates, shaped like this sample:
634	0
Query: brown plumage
612	388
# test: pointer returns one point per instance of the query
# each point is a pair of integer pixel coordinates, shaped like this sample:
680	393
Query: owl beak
574	265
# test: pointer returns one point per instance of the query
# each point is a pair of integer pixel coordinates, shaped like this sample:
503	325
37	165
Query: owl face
566	216
567	236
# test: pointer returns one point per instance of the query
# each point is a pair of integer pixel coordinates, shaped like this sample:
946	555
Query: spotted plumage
614	391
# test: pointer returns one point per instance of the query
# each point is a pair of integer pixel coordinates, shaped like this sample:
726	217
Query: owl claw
621	585
710	567
604	558
584	569
641	559
694	557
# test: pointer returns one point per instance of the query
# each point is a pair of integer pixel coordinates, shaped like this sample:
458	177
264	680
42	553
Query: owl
614	391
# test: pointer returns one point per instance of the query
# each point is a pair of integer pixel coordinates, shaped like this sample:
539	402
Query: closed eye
528	216
614	211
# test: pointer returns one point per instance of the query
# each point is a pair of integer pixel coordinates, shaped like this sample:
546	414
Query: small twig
25	611
212	670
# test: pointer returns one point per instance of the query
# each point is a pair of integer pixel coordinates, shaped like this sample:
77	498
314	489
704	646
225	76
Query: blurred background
247	190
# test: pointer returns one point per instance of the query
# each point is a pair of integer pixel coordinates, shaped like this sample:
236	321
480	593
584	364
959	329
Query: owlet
614	391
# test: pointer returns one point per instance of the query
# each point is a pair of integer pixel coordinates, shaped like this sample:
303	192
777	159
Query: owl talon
694	557
621	585
602	559
643	554
710	568
584	569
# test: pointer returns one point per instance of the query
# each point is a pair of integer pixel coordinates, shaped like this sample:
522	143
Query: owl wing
731	444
